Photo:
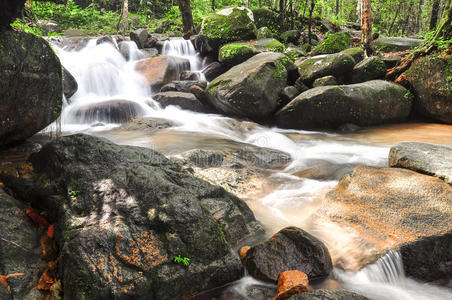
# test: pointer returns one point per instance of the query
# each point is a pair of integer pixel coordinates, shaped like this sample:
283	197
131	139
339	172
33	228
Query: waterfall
185	49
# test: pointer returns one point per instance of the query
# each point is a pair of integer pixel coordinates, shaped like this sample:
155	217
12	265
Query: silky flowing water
104	75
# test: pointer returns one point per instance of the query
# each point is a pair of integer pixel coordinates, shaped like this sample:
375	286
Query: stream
104	75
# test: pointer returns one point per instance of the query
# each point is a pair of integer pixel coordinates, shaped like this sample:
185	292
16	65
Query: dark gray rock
263	157
147	124
424	158
9	11
150	52
395	44
133	212
140	37
70	85
201	44
190	76
183	100
290	249
213	70
107	39
328	295
325	81
369	69
183	86
264	33
251	89
357	53
112	111
291	36
204	158
339	65
31	90
20	250
369	103
288	94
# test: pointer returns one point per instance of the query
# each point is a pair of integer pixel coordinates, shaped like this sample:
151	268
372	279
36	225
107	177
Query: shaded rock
289	93
334	43
357	53
369	69
214	70
325	81
140	37
291	36
70	85
264	17
301	87
133	213
328	295
201	44
161	70
291	283
31	86
205	159
236	53
147	124
393	207
228	25
266	45
264	33
190	76
261	157
201	95
111	111
150	52
20	250
183	86
183	100
294	52
395	44
108	40
431	81
338	65
289	249
369	103
423	158
9	11
391	61
251	89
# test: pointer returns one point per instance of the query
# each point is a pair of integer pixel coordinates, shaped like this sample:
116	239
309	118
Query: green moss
334	43
230	51
275	46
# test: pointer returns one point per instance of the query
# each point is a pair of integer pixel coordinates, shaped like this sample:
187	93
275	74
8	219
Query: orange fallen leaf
5	283
37	219
50	231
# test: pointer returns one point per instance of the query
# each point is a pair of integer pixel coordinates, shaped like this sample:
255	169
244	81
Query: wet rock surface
328	295
112	111
129	213
291	283
183	100
31	86
369	69
423	158
395	44
289	249
369	103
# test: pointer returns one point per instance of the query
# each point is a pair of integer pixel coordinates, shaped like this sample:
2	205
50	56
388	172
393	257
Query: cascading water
110	92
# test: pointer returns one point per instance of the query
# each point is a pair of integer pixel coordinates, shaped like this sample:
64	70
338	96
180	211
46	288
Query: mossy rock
235	53
224	27
291	36
294	52
369	69
264	33
431	81
395	44
325	81
263	17
357	53
333	43
272	45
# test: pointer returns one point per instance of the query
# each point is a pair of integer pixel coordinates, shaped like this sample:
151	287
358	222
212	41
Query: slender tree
213	5
337	8
434	16
311	10
123	22
187	18
366	26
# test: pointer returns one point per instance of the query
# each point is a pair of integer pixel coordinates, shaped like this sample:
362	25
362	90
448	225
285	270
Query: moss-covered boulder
395	44
264	17
369	69
9	11
228	25
31	88
325	81
264	33
235	53
357	53
334	43
431	81
290	36
369	103
294	52
339	65
251	89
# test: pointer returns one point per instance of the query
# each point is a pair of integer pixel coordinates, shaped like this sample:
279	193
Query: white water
185	49
103	75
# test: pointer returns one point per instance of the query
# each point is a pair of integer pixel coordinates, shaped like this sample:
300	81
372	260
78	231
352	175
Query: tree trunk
444	28
366	26
395	17
434	17
187	18
282	12
260	3
311	10
337	8
213	5
123	22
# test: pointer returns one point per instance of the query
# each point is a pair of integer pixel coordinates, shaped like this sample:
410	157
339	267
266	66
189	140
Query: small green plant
73	194
184	261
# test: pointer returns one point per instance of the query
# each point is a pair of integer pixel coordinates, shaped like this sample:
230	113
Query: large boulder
251	89
235	53
357	53
9	11
186	101
123	214
161	70
334	43
424	158
394	207
289	249
20	251
228	25
369	69
31	90
369	103
264	17
338	65
395	44
431	81
328	295
111	111
70	85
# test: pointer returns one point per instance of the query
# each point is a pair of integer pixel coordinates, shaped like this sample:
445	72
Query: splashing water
185	49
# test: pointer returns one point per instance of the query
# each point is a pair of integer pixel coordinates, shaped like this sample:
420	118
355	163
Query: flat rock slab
423	158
